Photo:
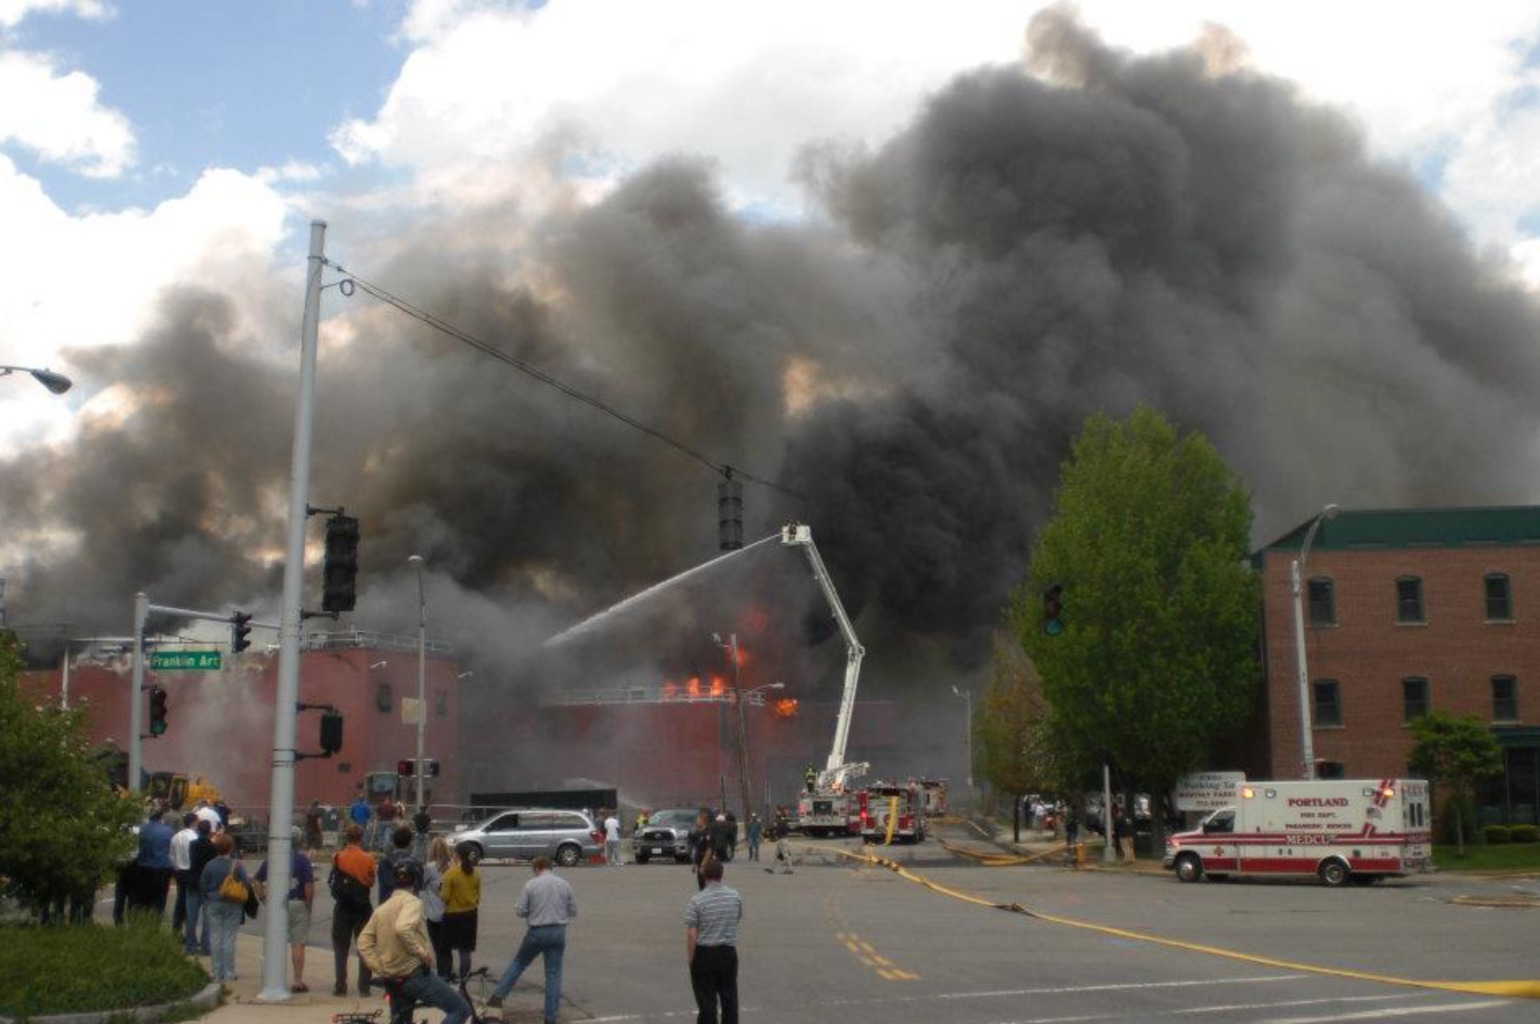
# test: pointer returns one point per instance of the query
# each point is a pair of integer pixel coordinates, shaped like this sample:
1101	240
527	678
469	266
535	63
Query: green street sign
186	661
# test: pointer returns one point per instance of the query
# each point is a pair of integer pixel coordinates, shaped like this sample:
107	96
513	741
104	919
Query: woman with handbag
226	888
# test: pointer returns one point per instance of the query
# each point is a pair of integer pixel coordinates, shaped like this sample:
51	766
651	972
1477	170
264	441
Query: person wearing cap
394	945
300	898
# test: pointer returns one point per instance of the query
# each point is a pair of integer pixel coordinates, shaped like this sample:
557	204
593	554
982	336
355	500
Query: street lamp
1306	739
422	670
743	740
967	696
55	382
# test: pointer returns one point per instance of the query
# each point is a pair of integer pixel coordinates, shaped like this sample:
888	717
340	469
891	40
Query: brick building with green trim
1407	610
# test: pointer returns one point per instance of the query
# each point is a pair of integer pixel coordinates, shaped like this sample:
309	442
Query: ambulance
1337	830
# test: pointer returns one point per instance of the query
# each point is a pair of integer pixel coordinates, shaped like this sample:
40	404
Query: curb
205	1000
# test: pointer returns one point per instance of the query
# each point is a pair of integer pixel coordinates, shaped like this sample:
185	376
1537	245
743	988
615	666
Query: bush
93	968
1497	835
1525	833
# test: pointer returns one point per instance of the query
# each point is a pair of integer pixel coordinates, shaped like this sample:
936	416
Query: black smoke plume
1078	234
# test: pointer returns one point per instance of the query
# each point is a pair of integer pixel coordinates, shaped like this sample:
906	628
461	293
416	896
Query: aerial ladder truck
827	807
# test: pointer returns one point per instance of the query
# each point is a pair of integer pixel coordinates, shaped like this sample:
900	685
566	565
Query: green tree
1157	650
62	828
1456	752
1011	731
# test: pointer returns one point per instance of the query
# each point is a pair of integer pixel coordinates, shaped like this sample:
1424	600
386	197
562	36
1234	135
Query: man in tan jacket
394	945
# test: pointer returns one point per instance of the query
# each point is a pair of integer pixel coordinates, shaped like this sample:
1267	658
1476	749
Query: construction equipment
827	807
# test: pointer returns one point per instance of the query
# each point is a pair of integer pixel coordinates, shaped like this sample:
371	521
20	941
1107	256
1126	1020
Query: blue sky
218	83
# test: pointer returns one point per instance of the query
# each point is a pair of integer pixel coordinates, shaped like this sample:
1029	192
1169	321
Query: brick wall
1369	653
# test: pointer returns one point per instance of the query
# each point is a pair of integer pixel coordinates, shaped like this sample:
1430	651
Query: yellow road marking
1523	989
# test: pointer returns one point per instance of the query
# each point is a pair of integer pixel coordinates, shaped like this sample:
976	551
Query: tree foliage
62	828
1455	752
1157	656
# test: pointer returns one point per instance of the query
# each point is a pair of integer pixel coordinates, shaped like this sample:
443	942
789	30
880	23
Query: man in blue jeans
394	945
547	905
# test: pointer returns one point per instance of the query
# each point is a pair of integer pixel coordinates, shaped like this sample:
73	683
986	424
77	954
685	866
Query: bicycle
484	984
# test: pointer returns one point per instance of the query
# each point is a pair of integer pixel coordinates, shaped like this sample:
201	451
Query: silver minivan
567	837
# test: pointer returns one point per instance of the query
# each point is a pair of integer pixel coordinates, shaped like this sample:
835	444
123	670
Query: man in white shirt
612	840
181	866
208	814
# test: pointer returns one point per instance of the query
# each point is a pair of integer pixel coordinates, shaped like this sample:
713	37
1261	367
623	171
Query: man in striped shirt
711	946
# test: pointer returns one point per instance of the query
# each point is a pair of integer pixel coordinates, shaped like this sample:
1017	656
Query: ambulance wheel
1189	868
1334	873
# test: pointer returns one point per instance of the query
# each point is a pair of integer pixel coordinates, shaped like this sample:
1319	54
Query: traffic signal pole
280	843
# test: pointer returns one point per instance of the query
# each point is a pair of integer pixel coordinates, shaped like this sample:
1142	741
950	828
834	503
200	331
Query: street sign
1207	791
187	661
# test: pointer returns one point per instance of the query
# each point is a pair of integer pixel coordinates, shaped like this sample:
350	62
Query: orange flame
692	686
718	686
786	707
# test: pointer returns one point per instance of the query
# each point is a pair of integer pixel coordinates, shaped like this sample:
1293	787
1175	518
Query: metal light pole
275	937
967	696
1297	572
422	669
55	382
743	740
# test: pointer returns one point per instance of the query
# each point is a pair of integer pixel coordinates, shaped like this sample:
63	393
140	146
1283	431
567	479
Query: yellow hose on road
1521	989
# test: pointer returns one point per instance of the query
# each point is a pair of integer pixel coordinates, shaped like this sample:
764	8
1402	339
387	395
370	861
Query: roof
1381	529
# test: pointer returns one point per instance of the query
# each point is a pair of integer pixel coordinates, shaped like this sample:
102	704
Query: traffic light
157	710
240	632
331	733
406	768
341	570
1053	603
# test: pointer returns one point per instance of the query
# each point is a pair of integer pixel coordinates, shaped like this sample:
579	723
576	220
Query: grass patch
86	968
1503	857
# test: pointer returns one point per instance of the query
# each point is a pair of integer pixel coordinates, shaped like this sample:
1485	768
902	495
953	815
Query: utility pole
280	819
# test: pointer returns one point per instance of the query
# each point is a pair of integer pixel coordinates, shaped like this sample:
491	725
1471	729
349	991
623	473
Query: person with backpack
401	838
352	876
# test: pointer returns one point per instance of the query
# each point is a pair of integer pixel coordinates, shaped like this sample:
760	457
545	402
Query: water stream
593	622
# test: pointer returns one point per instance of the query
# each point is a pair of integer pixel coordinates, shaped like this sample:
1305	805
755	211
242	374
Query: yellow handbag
232	889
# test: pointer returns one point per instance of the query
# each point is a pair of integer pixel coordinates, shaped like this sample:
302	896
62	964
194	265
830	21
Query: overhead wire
443	326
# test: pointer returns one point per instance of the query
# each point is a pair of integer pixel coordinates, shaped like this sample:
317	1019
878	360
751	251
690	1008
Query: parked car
567	837
666	834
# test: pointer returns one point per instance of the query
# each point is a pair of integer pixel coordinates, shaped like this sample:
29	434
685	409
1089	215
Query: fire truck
893	813
827	808
1336	830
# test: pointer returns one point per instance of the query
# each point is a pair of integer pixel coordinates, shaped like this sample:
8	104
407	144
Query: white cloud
61	119
85	281
13	11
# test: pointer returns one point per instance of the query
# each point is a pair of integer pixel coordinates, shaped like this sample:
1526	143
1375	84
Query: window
1328	704
441	703
1505	699
1414	698
382	696
1330	770
1409	599
1323	602
1499	598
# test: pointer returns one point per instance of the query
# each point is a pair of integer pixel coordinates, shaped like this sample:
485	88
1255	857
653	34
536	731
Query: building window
1505	699
1328	703
1409	599
1414	698
1499	598
382	696
1323	602
441	703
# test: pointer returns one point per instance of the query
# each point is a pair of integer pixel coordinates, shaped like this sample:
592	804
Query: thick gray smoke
1080	234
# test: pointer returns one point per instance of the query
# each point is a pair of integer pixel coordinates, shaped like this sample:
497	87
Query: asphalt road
840	942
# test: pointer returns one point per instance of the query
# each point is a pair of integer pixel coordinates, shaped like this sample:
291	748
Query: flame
692	686
718	686
786	707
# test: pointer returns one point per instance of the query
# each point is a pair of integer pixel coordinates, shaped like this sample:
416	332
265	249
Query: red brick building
1407	611
220	724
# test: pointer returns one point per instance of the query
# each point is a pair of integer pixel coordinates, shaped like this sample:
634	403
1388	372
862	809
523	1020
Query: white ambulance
1338	830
